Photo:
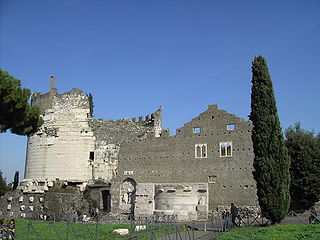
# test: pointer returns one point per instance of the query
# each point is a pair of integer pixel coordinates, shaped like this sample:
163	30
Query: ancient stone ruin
132	166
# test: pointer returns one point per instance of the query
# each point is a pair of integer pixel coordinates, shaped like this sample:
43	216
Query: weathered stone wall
61	147
98	196
16	204
203	168
65	206
189	200
172	159
109	136
71	146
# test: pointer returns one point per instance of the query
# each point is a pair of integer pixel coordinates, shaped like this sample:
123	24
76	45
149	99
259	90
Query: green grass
277	232
27	230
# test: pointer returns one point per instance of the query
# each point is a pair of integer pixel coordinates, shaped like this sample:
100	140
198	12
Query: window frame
231	127
201	145
196	130
225	149
212	179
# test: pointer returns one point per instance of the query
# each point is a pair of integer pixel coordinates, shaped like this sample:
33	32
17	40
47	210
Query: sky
134	56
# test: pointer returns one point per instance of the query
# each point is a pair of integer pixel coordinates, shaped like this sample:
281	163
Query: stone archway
128	195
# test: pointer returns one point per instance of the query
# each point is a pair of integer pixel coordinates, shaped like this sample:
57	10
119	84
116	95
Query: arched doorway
128	194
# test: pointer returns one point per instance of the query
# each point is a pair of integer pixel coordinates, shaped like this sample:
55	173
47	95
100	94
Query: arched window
225	149
198	151
204	151
201	150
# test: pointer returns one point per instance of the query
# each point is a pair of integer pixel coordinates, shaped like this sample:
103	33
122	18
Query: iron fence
92	230
165	227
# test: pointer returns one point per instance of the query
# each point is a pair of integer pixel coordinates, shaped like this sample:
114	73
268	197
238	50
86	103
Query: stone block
121	231
140	228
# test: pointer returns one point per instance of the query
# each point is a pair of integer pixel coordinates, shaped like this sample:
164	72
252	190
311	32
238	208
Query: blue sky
134	56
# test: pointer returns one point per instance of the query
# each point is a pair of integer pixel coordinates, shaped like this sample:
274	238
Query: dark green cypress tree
90	98
271	161
3	185
15	180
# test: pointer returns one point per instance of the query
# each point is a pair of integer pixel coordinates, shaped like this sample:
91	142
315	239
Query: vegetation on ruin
304	152
123	121
59	187
3	185
17	115
91	106
271	162
275	232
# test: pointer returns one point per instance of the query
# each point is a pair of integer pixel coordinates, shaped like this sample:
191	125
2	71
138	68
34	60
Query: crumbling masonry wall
73	147
173	160
200	170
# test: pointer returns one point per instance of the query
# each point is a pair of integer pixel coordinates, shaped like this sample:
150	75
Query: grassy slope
277	232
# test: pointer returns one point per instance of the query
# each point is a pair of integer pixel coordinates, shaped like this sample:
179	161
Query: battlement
74	98
148	119
118	131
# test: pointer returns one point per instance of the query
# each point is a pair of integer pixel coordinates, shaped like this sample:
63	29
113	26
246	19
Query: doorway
106	201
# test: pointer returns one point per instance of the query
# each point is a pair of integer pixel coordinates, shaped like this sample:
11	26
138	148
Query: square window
196	130
200	150
212	179
231	127
225	149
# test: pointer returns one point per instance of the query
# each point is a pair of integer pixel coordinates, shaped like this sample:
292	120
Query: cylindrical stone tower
63	147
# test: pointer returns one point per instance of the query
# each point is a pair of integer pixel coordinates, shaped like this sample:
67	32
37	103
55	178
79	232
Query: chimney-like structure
53	89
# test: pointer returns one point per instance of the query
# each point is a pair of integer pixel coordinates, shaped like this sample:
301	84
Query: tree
3	185
271	161
16	113
90	98
15	180
304	151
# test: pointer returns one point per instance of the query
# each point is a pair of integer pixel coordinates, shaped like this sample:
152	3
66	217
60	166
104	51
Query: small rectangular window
200	150
212	179
197	130
91	156
128	173
171	190
231	127
225	149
